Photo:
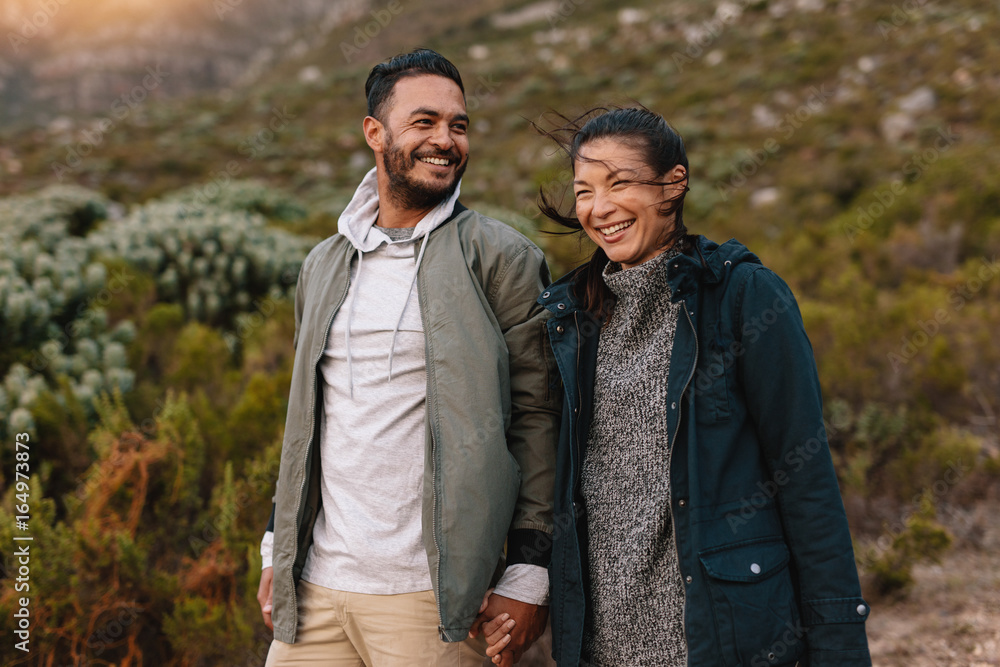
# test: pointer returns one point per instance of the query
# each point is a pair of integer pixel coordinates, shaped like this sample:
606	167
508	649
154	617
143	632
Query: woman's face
618	213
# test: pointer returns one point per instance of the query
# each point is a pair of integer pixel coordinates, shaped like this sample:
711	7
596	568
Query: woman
698	517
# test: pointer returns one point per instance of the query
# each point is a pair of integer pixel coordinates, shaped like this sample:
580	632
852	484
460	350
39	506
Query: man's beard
412	194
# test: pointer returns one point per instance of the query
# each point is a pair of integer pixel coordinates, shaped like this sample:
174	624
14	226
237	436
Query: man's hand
265	595
529	624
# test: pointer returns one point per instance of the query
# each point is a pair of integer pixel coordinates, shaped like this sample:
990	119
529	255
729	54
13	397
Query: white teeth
435	160
608	231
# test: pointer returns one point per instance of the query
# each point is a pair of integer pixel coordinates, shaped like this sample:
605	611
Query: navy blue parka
762	537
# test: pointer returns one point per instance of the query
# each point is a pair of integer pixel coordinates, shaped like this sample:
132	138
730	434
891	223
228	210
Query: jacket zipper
578	464
579	406
312	428
434	476
434	528
687	382
673	441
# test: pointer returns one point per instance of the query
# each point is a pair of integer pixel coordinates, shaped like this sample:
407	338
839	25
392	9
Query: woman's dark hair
383	77
661	148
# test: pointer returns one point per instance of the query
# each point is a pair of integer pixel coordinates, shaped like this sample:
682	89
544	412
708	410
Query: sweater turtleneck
636	596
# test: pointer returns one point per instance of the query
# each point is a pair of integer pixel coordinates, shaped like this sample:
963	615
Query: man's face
426	143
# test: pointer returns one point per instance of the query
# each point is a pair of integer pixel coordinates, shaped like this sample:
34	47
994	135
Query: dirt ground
951	617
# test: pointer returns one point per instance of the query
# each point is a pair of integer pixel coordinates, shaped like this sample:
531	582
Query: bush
243	195
922	538
146	566
57	289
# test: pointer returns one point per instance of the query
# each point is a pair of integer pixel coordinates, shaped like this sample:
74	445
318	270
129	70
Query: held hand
528	625
495	631
265	595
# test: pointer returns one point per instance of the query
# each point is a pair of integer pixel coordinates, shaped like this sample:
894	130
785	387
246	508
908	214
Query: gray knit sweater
636	600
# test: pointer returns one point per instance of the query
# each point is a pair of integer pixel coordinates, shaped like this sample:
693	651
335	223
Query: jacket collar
560	298
706	262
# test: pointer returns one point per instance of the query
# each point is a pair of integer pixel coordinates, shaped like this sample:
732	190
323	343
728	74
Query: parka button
560	329
862	610
755	568
689	579
682	502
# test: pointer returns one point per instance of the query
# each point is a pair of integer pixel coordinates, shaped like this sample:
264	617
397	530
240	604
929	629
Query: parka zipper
312	429
673	441
579	456
579	406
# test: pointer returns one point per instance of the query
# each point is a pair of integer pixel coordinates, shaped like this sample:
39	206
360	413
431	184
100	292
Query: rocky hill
71	57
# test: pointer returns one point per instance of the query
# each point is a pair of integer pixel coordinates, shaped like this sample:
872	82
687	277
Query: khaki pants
342	629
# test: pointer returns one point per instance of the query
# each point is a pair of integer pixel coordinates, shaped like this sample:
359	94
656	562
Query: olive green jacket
492	414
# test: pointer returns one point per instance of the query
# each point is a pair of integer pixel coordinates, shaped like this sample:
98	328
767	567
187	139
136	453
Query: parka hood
705	261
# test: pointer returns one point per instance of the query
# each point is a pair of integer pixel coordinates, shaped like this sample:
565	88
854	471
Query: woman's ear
678	175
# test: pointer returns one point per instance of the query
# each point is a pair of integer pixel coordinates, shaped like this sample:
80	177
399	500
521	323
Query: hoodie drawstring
406	301
356	223
347	329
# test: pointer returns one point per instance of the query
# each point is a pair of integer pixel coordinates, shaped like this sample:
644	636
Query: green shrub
921	538
241	195
145	595
66	302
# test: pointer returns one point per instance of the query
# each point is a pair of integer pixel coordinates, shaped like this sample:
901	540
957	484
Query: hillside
68	57
160	187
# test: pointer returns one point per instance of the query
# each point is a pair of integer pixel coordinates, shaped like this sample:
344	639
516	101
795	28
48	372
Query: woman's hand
497	633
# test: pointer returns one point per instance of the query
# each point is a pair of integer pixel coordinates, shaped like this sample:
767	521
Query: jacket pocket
753	602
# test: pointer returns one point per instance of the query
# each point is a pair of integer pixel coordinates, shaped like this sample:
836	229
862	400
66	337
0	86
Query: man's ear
374	133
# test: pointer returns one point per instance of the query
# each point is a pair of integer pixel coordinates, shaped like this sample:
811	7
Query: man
421	425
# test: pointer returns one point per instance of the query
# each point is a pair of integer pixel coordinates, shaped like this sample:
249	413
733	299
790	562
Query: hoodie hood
357	222
357	225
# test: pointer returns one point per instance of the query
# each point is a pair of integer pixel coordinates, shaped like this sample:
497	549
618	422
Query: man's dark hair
383	77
